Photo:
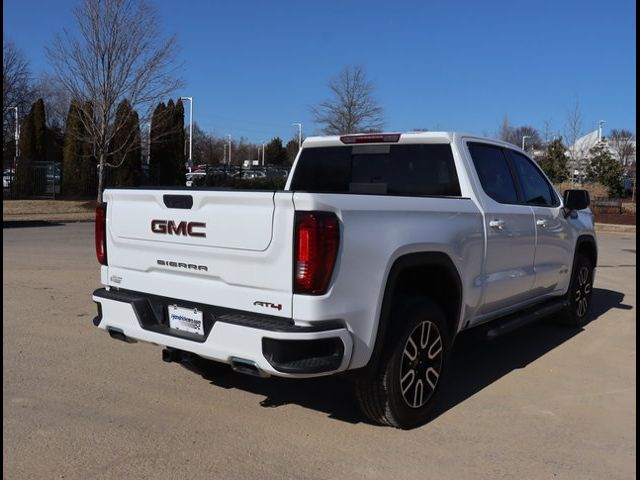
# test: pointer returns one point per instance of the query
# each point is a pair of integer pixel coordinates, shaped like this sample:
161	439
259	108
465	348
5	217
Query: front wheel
580	292
402	389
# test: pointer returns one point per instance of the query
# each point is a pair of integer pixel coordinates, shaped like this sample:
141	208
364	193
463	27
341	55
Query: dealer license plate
186	319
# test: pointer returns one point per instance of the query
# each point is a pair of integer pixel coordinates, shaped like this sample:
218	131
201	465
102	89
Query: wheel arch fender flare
419	260
586	243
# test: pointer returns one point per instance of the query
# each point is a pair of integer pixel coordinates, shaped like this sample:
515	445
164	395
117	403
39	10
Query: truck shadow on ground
475	364
29	223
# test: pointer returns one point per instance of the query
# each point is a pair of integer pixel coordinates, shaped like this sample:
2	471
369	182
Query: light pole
600	124
299	134
524	137
229	161
190	161
17	135
263	154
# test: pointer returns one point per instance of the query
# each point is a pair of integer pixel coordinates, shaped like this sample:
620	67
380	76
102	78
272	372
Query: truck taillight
101	233
317	237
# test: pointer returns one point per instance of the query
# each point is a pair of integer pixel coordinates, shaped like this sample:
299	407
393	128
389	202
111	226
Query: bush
596	190
274	183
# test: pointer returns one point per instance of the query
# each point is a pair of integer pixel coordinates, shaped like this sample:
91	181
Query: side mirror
576	199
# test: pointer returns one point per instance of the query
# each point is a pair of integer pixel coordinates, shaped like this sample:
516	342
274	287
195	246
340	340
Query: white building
579	154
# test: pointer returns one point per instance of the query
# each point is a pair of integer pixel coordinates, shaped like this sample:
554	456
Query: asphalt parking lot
546	402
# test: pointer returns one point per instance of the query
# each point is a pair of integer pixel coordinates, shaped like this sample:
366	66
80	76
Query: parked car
251	174
53	174
195	178
7	177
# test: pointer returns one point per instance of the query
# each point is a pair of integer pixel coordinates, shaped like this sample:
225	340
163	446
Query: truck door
508	275
554	254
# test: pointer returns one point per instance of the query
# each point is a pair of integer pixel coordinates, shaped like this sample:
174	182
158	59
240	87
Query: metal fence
43	182
45	179
606	205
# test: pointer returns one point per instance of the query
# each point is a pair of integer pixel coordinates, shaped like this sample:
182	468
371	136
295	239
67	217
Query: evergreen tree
292	150
179	143
126	148
554	161
72	153
605	169
39	131
275	153
78	163
158	140
24	180
33	148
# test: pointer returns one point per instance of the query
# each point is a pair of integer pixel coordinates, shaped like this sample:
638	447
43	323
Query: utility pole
229	163
263	154
299	134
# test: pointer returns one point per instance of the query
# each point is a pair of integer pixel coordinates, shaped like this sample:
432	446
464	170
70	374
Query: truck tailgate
226	248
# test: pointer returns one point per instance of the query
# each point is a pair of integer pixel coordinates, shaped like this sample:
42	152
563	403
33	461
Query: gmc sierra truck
380	250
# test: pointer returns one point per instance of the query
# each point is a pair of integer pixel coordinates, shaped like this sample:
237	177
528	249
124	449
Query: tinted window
493	170
409	170
535	188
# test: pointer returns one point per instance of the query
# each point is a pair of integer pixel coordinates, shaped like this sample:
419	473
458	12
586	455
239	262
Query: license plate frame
186	320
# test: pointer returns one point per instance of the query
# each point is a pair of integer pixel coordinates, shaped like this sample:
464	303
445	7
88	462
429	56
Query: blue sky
255	67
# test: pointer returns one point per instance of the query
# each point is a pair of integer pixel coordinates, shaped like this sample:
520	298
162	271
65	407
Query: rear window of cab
405	170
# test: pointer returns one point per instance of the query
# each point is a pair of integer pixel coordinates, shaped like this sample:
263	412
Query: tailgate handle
178	201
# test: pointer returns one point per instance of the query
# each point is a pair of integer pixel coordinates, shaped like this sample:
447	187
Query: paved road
546	402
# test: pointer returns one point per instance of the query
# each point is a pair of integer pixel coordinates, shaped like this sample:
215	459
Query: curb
613	228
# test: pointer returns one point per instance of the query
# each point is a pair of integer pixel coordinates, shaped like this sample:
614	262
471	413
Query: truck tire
401	389
579	294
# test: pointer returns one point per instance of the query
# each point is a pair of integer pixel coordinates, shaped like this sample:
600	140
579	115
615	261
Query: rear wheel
580	292
403	387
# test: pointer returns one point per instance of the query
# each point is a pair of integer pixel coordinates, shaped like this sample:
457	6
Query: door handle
541	223
497	224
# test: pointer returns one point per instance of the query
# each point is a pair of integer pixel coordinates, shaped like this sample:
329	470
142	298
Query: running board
524	317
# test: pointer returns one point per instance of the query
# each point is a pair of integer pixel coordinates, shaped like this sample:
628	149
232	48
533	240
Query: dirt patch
48	210
615	218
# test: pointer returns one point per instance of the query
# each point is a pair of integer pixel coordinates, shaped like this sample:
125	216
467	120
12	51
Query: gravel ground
546	402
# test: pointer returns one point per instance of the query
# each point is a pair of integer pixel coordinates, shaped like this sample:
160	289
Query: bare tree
352	107
515	135
57	100
547	132
623	143
16	84
573	131
120	54
505	130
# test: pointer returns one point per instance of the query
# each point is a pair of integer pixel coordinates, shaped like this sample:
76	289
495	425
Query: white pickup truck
378	252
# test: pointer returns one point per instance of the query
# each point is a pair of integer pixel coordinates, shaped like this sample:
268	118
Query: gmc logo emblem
169	227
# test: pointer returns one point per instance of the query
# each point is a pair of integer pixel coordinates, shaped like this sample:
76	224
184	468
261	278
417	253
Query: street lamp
190	128
17	138
148	149
600	124
299	134
524	137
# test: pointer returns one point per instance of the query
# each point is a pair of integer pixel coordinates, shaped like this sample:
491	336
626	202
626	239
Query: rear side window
494	172
535	188
407	170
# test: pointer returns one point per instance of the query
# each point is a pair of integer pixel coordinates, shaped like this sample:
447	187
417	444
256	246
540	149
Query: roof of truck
394	137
